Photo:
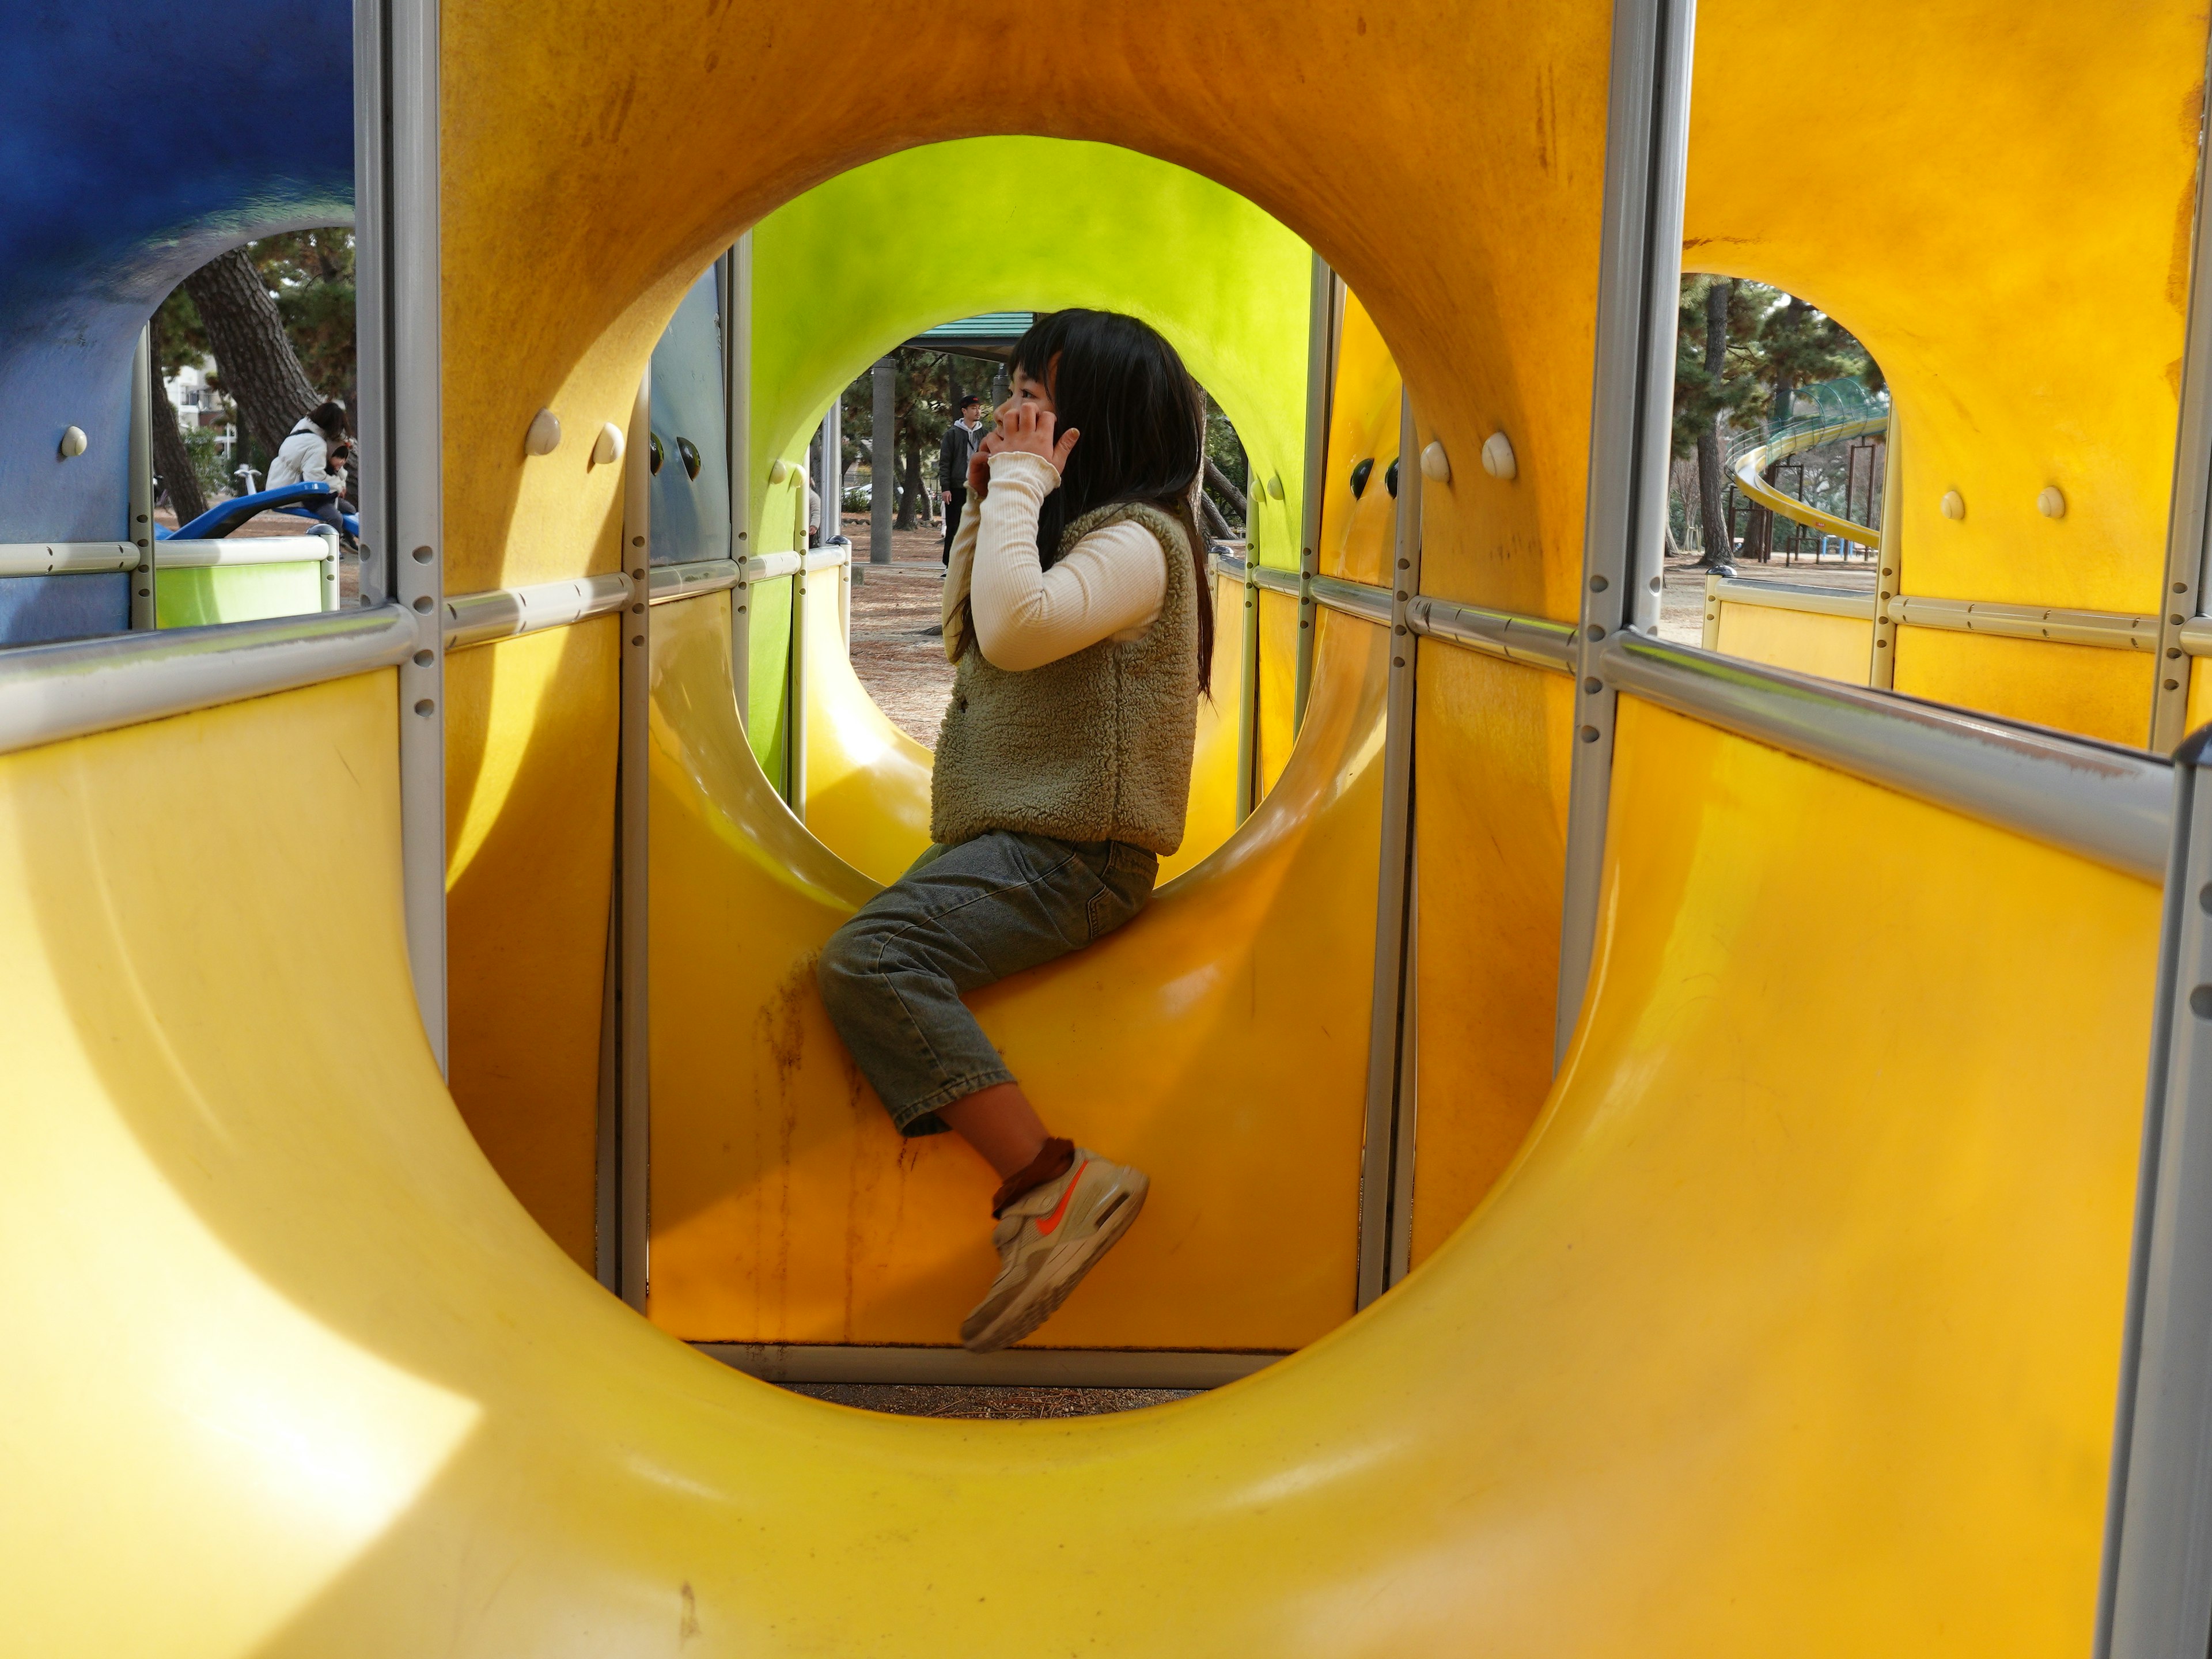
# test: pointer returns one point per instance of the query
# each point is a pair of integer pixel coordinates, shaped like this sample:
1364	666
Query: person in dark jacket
952	456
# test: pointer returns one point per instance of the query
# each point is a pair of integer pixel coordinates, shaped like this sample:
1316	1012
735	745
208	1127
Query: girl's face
1023	390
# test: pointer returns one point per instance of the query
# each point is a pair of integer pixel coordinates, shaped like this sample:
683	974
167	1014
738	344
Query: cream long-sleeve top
1110	585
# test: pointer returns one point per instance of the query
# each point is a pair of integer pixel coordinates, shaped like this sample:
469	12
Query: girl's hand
1027	431
979	463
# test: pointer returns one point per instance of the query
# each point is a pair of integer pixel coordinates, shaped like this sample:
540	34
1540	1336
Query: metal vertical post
1248	684
1388	1110
1889	557
1324	328
140	528
2155	1597
883	383
633	886
2181	595
606	1162
831	482
1639	294
737	297
794	699
403	538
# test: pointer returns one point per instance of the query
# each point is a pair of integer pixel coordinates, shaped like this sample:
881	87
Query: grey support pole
632	885
736	429
1247	685
2155	1600
1385	1187
1639	283
403	532
831	482
2181	596
1881	672
1324	328
884	382
141	529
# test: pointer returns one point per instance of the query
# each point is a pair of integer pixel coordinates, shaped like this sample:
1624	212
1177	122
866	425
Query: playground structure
1626	1304
1750	458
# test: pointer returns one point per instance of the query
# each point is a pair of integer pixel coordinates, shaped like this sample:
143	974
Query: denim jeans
961	918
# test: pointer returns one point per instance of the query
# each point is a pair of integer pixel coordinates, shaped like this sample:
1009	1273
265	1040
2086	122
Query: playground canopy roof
990	334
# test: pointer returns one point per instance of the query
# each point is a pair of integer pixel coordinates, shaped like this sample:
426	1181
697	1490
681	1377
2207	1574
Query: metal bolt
2175	619
637	639
1597	584
423	604
1594	632
423	555
2174	686
1589	734
637	610
426	706
2200	1002
637	575
1593	684
637	541
424	659
2204	898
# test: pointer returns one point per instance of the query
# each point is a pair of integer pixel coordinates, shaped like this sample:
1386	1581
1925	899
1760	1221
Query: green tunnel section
866	262
200	597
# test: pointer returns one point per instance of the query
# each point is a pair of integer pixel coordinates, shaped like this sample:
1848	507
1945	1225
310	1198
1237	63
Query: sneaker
1048	1239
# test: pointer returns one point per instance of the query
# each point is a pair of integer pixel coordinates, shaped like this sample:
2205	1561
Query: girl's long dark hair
1142	420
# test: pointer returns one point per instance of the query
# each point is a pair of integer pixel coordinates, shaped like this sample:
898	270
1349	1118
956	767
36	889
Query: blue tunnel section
690	462
112	190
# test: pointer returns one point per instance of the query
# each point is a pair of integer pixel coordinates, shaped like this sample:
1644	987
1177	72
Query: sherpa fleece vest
1094	747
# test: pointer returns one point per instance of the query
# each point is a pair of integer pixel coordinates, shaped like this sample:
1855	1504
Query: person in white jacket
304	458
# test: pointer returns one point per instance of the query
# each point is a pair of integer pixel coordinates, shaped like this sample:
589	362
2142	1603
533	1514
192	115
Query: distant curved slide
1747	466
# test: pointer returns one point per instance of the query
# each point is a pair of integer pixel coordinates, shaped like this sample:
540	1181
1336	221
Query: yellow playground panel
1646	1140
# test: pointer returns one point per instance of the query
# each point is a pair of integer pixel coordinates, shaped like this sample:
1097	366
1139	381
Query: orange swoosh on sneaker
1059	1209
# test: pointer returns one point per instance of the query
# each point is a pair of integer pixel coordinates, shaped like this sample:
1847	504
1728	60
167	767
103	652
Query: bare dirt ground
943	1399
901	663
1682	602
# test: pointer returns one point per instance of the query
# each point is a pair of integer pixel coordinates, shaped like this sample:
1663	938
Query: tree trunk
906	471
260	372
172	462
1216	525
1712	460
917	491
1230	492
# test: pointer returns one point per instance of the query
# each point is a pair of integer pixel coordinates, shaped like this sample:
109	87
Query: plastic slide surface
785	1209
1787	1314
1736	1337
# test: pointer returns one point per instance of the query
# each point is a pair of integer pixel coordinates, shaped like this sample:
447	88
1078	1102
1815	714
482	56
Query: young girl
1076	608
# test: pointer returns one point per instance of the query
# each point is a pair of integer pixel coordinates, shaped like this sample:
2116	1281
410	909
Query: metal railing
2114	630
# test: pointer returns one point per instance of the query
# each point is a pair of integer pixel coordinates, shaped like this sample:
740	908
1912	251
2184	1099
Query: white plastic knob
1953	504
1497	457
74	442
609	448
778	470
1435	466
545	435
2051	503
